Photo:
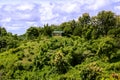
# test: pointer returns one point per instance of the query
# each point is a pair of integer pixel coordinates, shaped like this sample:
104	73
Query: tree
73	24
59	62
77	31
85	19
47	31
106	47
114	32
84	23
106	20
32	33
2	31
3	43
67	29
96	31
118	20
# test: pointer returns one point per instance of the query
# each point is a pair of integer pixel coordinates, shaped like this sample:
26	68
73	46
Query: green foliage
47	31
106	47
67	29
89	50
114	32
91	72
32	33
115	67
3	43
61	66
85	19
106	20
50	58
3	31
8	42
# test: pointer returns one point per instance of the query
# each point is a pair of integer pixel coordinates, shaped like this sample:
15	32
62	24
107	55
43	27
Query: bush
59	62
106	47
91	72
114	67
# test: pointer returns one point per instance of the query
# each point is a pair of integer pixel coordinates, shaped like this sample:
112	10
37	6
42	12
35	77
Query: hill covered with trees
88	50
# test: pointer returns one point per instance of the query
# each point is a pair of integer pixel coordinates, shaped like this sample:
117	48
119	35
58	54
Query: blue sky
18	15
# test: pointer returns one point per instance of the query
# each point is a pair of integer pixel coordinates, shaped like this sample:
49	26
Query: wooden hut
57	33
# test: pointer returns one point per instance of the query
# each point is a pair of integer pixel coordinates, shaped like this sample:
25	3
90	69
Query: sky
18	15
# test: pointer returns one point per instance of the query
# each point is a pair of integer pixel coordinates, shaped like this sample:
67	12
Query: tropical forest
87	49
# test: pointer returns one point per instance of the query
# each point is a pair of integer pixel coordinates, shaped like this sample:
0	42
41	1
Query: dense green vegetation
89	50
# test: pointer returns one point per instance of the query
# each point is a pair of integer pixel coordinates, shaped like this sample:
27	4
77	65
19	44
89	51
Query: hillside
60	58
86	51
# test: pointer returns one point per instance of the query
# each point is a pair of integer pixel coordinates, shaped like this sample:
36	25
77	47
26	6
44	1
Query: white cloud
46	12
115	0
21	16
6	20
69	7
9	8
13	28
32	23
117	7
83	2
50	12
24	16
25	7
97	4
0	6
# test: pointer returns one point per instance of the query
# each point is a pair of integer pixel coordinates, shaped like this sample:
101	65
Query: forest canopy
89	49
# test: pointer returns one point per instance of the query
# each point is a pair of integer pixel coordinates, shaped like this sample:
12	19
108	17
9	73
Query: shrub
106	47
60	64
114	67
91	72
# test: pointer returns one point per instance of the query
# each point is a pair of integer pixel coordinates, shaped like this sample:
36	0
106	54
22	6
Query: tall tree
85	19
106	20
32	33
118	20
2	31
68	29
47	30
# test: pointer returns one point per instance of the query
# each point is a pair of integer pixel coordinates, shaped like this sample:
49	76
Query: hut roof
58	32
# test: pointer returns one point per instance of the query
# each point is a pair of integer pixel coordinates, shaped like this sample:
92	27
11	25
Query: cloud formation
17	16
117	7
25	6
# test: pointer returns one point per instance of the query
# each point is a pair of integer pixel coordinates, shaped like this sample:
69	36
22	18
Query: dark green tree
32	33
106	20
77	31
106	47
85	19
3	31
117	20
3	43
68	29
47	31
